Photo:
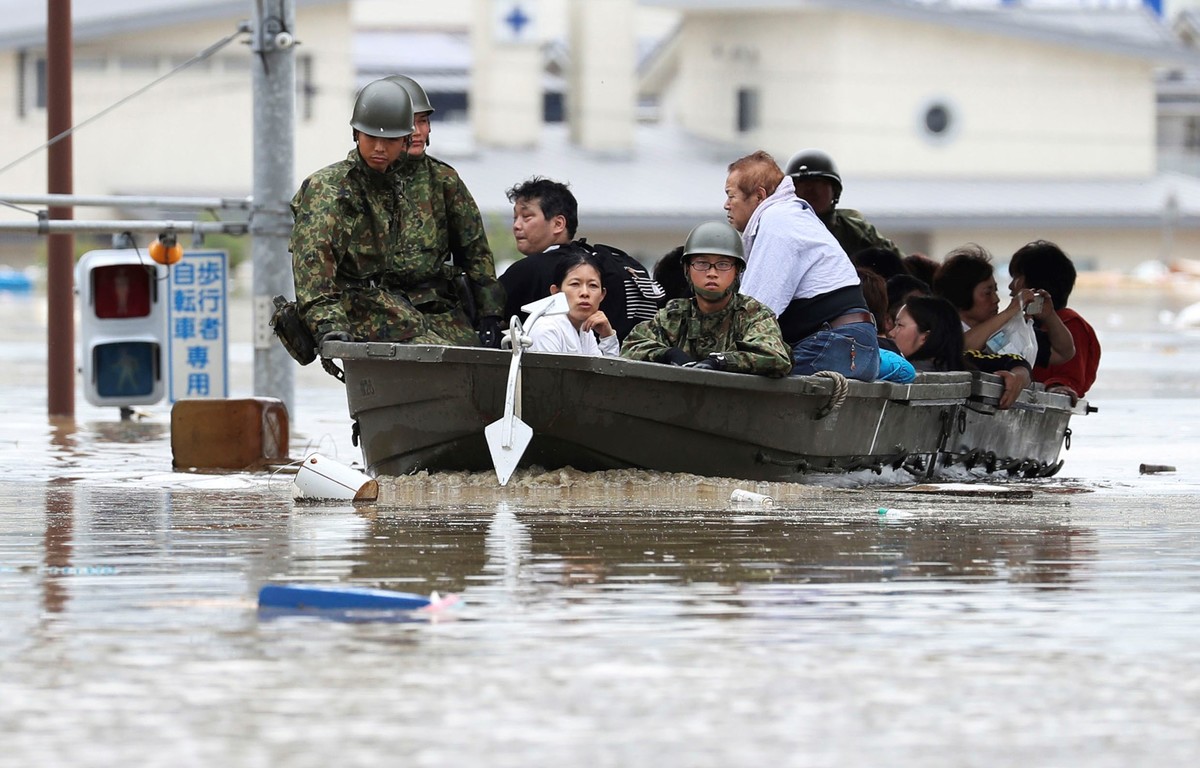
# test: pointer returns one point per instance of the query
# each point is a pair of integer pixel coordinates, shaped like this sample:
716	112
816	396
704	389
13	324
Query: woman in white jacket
584	330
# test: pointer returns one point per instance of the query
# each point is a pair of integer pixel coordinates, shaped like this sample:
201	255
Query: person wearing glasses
797	268
717	328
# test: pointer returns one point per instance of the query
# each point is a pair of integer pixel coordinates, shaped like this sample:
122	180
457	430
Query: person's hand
1014	381
336	336
598	322
1063	389
713	362
1047	308
1017	303
675	356
490	332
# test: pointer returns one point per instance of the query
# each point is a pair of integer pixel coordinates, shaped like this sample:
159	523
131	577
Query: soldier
473	266
368	250
818	183
717	328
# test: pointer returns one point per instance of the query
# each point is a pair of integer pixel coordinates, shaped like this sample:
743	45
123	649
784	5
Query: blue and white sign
197	326
514	21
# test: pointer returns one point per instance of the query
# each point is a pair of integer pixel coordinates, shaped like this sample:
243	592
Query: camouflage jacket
397	229
463	228
854	233
746	331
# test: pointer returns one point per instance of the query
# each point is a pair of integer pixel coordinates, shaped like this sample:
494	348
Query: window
747	109
31	82
937	119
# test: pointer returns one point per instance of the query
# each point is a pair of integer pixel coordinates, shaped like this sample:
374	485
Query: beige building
992	124
190	134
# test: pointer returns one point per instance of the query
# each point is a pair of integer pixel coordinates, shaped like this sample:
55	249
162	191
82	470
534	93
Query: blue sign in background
197	320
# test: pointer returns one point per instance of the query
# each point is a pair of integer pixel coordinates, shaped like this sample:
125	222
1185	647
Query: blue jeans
852	350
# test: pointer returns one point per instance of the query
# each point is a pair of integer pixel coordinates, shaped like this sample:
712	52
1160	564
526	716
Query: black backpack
632	295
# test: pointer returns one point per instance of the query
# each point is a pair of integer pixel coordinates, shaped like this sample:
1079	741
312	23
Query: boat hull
422	407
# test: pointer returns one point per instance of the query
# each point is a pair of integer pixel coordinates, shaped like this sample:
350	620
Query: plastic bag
1015	337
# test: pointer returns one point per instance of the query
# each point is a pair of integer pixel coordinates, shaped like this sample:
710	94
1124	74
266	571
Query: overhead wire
243	28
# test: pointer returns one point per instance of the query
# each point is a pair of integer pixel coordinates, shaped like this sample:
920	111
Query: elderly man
796	268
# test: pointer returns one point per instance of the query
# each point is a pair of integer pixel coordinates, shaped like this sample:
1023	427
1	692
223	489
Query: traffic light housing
123	327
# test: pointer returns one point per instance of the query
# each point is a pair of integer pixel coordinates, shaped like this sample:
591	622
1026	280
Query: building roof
1127	31
25	21
674	181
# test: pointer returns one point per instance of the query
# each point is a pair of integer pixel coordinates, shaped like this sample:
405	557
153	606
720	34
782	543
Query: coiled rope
837	397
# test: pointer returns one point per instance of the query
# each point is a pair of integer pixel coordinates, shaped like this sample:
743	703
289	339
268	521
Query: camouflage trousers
376	314
453	326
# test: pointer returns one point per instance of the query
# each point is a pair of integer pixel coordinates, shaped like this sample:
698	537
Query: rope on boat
332	369
840	388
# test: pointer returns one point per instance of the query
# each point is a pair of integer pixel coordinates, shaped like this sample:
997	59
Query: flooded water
620	619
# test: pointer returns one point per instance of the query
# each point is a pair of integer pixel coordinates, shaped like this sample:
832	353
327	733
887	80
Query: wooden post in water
60	269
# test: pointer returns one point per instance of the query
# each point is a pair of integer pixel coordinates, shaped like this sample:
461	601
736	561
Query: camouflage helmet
808	163
383	109
420	100
714	238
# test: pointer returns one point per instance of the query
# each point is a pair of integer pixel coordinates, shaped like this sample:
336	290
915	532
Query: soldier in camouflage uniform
717	328
820	185
461	224
369	249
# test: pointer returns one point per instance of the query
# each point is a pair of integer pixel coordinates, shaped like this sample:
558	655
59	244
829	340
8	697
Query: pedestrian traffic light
123	327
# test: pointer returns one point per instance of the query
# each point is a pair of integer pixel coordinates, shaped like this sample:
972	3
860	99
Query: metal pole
60	266
274	89
115	226
122	201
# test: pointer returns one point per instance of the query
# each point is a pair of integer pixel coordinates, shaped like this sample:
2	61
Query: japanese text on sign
196	326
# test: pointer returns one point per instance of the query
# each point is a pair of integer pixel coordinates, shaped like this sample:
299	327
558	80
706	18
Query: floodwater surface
623	619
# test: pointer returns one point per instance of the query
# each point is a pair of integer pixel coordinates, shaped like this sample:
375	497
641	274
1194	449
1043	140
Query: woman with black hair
928	332
585	329
1044	266
967	280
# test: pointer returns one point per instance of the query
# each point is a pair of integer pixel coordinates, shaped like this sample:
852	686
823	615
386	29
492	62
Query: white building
191	134
990	122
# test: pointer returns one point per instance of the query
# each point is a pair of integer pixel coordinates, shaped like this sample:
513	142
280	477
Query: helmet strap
708	295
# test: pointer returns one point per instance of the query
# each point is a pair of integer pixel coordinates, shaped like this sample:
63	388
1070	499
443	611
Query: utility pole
274	95
60	249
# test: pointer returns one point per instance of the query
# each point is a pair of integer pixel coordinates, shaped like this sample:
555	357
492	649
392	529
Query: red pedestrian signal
123	327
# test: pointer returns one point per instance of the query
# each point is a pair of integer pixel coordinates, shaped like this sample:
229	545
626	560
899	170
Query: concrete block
244	434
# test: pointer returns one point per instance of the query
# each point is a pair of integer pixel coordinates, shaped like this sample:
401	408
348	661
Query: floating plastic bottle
750	498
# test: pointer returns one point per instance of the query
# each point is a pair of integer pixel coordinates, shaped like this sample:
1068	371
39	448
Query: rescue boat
421	407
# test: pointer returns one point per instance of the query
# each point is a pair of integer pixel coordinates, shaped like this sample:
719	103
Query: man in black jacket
545	217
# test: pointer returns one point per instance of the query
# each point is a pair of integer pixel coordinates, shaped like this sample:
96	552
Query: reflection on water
690	628
453	551
626	622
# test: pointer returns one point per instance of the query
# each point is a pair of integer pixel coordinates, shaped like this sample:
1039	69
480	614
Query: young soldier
347	254
717	328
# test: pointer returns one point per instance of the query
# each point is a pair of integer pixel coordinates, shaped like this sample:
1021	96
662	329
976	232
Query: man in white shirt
796	267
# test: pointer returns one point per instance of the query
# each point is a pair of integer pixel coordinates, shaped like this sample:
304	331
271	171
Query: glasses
704	266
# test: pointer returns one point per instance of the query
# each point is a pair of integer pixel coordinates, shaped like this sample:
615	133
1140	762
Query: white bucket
323	478
740	496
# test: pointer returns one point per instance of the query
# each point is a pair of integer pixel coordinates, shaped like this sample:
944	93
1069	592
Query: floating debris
750	498
1154	469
